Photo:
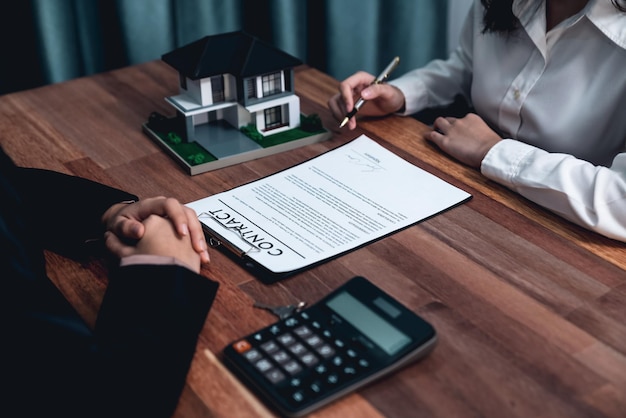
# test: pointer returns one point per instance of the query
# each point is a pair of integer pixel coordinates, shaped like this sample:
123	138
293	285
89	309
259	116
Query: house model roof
236	53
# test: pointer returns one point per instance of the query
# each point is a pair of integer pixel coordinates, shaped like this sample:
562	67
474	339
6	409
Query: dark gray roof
237	53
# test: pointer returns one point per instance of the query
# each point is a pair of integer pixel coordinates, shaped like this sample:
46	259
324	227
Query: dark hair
499	17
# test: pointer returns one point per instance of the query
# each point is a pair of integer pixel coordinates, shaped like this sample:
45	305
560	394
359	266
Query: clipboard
322	208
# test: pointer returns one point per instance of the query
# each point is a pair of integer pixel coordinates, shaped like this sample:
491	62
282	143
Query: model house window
182	80
217	86
273	117
271	84
251	88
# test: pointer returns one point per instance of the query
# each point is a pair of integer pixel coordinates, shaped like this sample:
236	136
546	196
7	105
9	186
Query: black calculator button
351	353
337	361
298	349
309	359
275	376
286	339
263	365
275	329
349	371
364	363
314	340
270	347
291	322
296	382
339	343
281	357
332	379
326	351
298	396
292	367
252	355
302	331
321	369
316	387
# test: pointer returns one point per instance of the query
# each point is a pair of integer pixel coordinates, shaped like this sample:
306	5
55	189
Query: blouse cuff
505	160
414	94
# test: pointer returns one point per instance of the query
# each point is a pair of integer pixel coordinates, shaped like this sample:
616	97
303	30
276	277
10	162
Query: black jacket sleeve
135	361
146	333
65	211
133	364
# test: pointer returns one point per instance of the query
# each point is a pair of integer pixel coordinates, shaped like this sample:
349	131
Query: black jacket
135	361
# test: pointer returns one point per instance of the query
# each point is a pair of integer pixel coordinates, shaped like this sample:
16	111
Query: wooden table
530	309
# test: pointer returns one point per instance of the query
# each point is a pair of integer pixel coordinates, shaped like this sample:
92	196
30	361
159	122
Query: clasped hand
158	226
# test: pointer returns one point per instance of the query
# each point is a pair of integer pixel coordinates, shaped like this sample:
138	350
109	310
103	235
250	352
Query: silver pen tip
344	121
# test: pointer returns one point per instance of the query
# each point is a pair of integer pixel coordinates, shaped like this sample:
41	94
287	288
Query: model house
236	78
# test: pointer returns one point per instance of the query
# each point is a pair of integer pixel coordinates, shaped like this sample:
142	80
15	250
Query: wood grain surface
530	309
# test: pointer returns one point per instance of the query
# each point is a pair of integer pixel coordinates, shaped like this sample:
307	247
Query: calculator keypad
302	358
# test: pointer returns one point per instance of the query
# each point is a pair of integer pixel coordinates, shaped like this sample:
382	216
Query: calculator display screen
372	325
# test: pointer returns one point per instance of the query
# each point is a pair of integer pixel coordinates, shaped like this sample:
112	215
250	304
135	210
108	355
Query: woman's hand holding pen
382	99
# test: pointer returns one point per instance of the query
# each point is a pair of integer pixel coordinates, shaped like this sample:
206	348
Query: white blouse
559	98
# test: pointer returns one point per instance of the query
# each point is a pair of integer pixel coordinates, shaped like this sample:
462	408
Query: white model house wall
290	106
201	91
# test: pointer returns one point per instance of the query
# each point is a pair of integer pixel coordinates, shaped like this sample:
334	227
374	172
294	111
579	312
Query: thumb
371	92
129	228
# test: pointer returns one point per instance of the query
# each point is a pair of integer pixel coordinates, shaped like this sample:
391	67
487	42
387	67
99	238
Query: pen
381	78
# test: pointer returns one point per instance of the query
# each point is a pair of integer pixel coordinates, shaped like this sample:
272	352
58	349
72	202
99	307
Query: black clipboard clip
216	239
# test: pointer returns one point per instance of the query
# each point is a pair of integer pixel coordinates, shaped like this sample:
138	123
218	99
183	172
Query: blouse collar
602	13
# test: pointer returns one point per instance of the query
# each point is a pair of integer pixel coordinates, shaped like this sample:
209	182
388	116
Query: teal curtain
49	41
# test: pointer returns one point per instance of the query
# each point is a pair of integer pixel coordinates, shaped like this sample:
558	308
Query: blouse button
516	94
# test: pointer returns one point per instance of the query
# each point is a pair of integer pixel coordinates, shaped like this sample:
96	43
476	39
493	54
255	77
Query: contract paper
331	204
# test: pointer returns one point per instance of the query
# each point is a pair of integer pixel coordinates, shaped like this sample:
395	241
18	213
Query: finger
432	136
441	124
128	228
374	91
177	214
150	206
436	138
352	123
127	222
351	87
116	246
346	92
198	239
335	104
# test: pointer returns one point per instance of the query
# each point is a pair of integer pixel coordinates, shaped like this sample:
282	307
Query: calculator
351	337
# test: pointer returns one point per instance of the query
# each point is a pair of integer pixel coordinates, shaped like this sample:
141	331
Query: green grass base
194	153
